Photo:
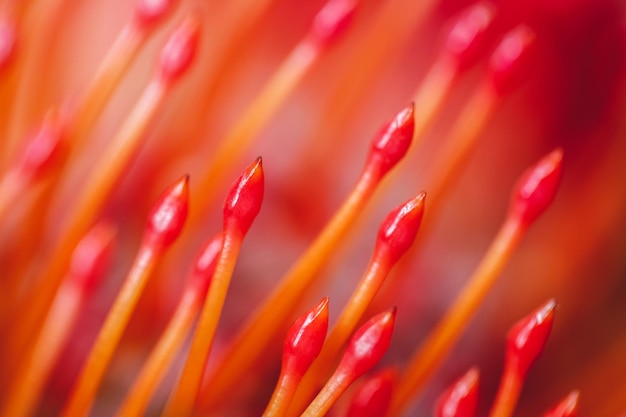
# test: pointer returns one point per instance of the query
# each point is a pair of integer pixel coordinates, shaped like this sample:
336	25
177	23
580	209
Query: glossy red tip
150	12
332	21
468	38
204	266
92	257
167	218
243	202
511	61
373	398
398	231
528	337
305	339
566	408
179	51
537	187
44	150
461	399
7	42
393	141
368	345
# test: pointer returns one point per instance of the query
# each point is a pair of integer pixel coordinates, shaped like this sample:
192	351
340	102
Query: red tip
332	21
44	150
92	256
243	202
167	218
461	399
537	187
373	398
566	408
179	51
7	42
393	141
528	337
150	12
511	61
305	339
398	231
205	263
368	345
467	39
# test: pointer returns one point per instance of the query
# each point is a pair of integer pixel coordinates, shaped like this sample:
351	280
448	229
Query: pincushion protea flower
107	104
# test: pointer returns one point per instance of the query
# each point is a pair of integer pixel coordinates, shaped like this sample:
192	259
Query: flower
106	104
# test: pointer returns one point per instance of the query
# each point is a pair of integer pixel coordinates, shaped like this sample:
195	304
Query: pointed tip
179	51
373	398
537	187
92	256
399	229
461	399
244	199
168	216
368	345
332	21
468	39
568	407
394	140
511	62
305	339
46	149
528	337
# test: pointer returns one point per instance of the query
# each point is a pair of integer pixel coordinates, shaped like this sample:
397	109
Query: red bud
150	12
467	40
243	202
44	150
332	21
393	141
528	337
92	256
537	187
305	339
461	399
368	345
566	408
373	398
511	61
399	229
168	216
179	51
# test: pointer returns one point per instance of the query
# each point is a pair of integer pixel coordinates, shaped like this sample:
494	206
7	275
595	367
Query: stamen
439	343
465	44
329	23
105	176
40	157
147	15
396	235
242	205
373	397
566	408
364	351
525	343
272	316
35	52
461	399
163	354
302	345
89	262
508	68
165	224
